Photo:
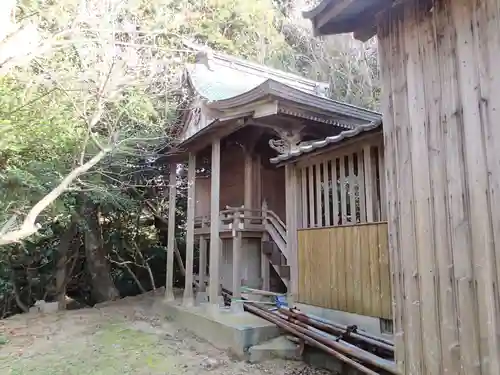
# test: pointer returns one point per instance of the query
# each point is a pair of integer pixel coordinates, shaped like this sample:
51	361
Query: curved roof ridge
254	72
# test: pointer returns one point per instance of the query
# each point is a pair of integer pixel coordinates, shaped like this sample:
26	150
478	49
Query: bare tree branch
29	225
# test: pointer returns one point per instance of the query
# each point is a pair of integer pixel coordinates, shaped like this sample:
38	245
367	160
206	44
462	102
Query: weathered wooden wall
441	107
266	184
202	196
346	268
273	190
232	182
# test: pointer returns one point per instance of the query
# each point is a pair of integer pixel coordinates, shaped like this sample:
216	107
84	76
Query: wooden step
284	272
268	247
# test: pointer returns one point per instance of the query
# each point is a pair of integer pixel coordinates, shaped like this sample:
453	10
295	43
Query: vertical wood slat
441	209
335	198
352	190
326	194
319	211
407	216
368	182
475	90
366	271
357	272
349	268
375	251
340	268
354	182
335	240
360	182
343	197
303	182
422	222
390	62
383	196
312	214
346	268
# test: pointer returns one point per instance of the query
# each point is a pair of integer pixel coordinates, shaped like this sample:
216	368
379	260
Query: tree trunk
103	288
61	273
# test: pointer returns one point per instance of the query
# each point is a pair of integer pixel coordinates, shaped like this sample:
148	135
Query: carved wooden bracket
289	140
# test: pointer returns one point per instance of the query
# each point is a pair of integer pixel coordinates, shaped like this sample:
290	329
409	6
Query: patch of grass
113	350
3	340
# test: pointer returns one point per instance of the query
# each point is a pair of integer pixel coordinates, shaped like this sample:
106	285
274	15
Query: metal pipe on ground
311	341
337	331
344	347
341	326
380	362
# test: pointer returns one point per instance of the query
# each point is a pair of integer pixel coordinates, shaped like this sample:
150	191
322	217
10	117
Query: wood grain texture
441	101
356	278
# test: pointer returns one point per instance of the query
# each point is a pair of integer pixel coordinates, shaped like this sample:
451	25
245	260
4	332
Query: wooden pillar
369	184
292	213
265	266
257	200
202	263
236	256
215	224
191	201
248	191
169	284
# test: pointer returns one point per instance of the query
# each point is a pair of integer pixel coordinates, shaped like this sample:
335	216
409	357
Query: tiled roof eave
335	139
284	92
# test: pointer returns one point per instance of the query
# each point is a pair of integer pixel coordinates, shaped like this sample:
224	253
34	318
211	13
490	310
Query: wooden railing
346	268
251	220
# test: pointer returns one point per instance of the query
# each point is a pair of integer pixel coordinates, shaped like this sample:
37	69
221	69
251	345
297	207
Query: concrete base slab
237	307
365	323
279	347
222	328
201	297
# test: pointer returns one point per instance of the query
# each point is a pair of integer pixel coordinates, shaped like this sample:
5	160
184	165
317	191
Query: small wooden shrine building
442	157
284	189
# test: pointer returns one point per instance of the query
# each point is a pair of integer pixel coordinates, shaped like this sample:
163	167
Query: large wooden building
284	189
442	158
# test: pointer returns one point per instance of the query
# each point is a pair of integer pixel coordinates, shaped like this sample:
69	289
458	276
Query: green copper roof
221	82
217	77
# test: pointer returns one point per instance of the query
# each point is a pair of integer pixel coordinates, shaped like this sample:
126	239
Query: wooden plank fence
346	268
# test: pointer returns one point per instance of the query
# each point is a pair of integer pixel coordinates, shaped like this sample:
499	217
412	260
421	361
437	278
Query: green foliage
39	140
122	60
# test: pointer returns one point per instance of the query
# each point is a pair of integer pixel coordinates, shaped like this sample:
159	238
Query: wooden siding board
387	49
383	277
407	212
334	282
490	90
341	268
441	94
372	251
477	185
439	115
418	144
357	271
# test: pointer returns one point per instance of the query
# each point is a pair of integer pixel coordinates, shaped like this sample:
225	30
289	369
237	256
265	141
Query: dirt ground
129	336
